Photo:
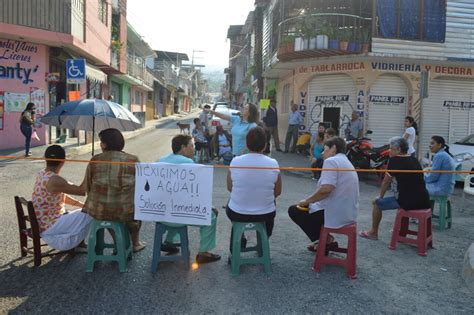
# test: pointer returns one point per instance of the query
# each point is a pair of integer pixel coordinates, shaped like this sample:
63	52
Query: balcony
323	35
138	71
62	16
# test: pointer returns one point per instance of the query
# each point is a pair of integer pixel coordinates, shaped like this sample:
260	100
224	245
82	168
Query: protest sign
264	103
174	193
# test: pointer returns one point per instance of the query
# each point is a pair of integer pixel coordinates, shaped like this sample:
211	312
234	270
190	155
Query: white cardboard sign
174	193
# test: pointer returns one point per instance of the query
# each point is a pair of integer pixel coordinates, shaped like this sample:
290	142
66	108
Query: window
423	20
150	96
138	98
103	11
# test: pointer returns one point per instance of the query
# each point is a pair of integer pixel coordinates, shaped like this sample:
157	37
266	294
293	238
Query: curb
468	267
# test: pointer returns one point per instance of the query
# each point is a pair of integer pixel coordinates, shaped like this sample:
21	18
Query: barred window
103	7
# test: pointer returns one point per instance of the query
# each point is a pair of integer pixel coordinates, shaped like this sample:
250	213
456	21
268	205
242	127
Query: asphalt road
388	281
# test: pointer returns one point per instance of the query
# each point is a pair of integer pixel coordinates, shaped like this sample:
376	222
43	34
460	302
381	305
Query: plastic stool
160	229
262	248
349	262
444	219
424	234
96	244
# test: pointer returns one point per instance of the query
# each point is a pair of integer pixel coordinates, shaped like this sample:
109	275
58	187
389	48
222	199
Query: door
387	108
447	112
330	91
332	115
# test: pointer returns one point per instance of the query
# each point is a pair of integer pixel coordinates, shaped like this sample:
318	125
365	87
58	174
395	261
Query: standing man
294	121
271	124
204	116
355	128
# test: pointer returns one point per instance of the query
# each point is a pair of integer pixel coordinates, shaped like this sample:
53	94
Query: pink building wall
23	66
135	106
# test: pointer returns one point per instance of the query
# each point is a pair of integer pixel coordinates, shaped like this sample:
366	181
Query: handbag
35	136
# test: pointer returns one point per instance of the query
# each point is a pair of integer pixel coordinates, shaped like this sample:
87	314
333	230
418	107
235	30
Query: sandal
138	248
365	234
313	247
329	247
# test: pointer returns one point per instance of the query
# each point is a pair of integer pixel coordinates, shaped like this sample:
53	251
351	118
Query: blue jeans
26	130
387	203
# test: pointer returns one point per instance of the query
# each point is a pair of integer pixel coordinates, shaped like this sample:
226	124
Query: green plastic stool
262	248
96	244
444	219
160	229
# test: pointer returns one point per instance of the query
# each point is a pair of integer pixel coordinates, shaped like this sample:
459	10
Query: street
388	281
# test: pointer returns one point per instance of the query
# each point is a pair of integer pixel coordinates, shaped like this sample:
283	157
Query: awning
94	74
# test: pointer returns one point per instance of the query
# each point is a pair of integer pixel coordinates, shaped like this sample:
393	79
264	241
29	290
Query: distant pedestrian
27	120
240	127
294	121
316	154
328	134
271	123
204	116
410	134
355	127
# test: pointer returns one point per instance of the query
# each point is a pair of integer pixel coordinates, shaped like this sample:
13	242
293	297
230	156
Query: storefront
22	75
383	93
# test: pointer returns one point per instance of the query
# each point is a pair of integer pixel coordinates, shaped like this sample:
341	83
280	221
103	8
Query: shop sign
52	76
18	61
460	105
16	102
386	100
38	98
336	67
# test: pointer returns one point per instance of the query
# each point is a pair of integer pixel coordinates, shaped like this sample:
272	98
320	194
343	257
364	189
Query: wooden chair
32	231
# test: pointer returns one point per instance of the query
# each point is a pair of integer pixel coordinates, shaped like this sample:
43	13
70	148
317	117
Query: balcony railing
323	35
51	15
139	72
115	59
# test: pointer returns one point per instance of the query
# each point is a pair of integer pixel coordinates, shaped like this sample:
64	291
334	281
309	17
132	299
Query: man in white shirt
336	201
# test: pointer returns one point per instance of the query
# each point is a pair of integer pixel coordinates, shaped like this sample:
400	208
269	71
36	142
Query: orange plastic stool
349	262
401	229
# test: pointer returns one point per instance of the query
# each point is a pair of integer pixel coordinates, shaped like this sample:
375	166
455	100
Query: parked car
216	121
463	152
220	104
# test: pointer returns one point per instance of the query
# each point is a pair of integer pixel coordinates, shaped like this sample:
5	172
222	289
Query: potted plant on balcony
354	42
365	40
116	45
302	40
287	45
322	40
345	35
333	40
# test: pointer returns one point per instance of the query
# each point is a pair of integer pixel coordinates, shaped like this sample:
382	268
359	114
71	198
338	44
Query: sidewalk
73	149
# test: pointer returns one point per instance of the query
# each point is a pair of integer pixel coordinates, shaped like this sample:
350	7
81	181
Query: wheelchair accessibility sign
75	71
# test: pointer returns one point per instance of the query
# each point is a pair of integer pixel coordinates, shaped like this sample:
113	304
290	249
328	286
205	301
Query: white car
216	121
463	152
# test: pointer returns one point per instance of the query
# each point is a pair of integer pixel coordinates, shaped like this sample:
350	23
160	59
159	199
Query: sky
187	25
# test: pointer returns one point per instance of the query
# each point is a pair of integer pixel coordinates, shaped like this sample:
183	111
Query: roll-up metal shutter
447	112
335	90
387	108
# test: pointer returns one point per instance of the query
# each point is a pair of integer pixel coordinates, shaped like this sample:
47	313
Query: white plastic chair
467	190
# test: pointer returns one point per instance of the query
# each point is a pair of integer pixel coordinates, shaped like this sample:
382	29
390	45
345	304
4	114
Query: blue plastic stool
262	248
160	229
96	244
444	219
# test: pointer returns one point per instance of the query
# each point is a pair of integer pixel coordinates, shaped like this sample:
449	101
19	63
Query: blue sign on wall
76	71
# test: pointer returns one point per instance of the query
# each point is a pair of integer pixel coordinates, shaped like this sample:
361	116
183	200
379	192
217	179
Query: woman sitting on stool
253	191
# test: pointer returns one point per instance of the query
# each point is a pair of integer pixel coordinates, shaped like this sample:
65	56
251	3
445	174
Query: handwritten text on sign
175	193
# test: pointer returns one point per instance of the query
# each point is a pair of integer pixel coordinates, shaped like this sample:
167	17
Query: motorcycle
363	155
